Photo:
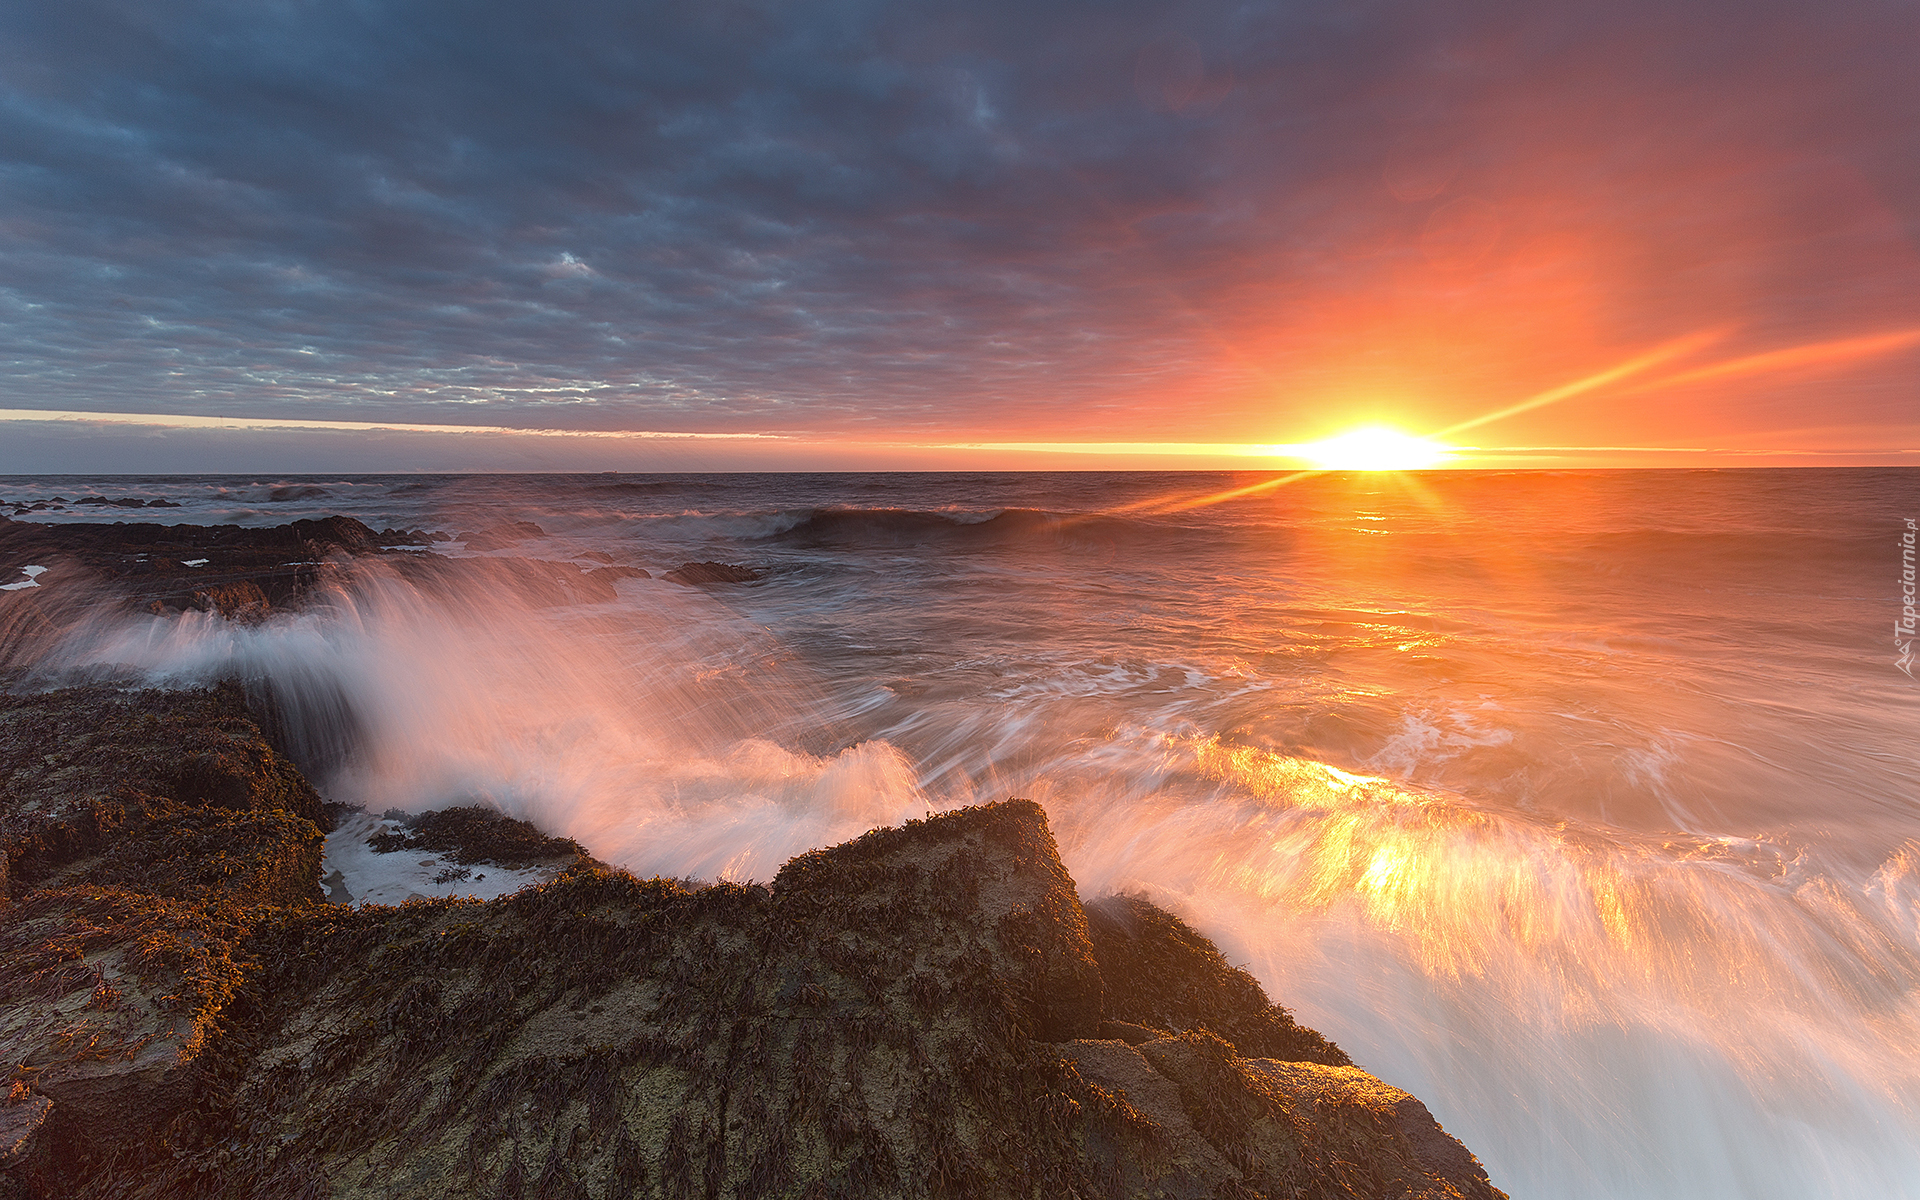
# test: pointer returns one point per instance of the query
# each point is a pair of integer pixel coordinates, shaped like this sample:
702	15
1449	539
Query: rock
403	537
241	600
537	583
1161	974
1227	1125
711	572
344	532
1343	1098
242	573
22	1114
922	1010
864	1024
474	834
111	996
116	780
1188	1164
143	834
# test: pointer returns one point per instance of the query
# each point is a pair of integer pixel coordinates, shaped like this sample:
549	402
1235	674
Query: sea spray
650	737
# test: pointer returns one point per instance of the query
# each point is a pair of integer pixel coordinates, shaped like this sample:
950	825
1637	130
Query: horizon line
1459	457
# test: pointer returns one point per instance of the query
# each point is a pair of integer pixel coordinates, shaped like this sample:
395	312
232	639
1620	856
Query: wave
674	739
882	527
650	487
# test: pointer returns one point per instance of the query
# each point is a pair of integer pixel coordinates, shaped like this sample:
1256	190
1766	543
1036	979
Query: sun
1373	448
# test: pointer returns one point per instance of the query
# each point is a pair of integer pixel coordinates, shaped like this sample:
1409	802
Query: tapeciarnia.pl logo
1903	625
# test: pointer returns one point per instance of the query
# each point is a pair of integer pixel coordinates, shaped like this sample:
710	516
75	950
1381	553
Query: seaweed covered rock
1355	1114
534	582
908	1014
477	834
866	1025
149	789
1163	976
235	570
1223	1125
143	835
108	996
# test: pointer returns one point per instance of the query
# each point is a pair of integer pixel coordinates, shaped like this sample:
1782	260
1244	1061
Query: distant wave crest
906	527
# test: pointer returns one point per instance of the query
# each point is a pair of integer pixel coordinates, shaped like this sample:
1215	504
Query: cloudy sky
1027	232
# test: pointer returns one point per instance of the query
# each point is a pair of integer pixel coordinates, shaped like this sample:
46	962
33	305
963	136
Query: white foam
353	872
33	579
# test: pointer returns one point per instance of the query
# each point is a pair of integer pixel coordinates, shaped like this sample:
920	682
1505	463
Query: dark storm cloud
841	215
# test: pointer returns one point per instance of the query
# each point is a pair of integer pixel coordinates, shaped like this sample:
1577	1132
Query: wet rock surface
54	575
471	834
501	536
1163	977
235	570
143	836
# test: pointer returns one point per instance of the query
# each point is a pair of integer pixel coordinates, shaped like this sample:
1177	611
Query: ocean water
1586	806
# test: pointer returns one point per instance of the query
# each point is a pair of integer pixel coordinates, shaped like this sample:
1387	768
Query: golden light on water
1470	894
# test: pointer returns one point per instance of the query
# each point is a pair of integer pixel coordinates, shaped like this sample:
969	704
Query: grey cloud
742	216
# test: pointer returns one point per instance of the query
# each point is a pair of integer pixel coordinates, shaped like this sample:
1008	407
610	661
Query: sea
1583	805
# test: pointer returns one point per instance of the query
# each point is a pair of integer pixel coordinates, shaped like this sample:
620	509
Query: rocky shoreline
926	1010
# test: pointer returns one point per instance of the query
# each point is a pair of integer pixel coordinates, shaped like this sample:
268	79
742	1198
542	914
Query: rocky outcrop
237	571
246	574
470	834
162	791
924	1011
1163	976
143	837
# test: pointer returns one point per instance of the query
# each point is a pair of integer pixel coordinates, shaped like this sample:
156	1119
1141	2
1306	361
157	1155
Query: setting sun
1374	448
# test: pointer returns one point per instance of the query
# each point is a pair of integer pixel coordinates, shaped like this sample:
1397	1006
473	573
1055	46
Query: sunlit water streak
1583	806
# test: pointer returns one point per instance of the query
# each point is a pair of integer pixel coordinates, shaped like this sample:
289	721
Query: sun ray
1665	352
1810	354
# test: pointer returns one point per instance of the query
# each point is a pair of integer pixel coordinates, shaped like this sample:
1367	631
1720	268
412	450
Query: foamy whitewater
1584	806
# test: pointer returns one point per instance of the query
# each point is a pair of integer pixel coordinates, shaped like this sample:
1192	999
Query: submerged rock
476	834
711	572
926	1010
499	537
